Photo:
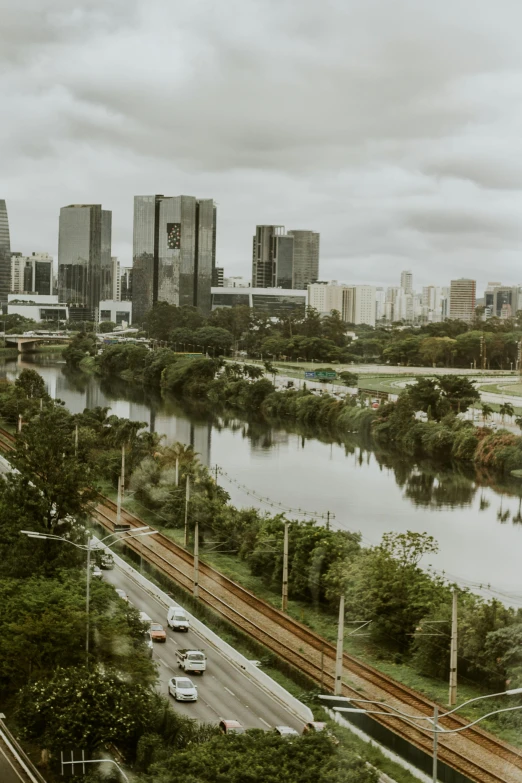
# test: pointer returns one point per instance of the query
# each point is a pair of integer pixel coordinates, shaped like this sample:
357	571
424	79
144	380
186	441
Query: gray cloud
392	128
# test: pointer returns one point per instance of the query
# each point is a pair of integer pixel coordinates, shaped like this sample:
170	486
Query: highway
11	769
223	690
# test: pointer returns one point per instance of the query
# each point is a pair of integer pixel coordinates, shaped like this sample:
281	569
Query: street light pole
196	560
338	686
284	600
136	533
453	653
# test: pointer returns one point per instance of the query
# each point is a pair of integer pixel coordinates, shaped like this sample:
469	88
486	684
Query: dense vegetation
308	336
61	702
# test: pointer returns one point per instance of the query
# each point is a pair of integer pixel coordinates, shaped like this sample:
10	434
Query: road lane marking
173	641
264	721
162	662
228	689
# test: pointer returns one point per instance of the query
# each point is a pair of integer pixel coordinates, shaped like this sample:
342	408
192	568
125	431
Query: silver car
183	689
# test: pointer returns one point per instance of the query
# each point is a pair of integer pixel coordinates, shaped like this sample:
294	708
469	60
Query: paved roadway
223	690
10	769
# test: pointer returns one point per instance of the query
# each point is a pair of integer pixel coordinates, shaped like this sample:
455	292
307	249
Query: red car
157	633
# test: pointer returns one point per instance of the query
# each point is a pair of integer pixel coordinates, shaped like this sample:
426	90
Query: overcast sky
393	127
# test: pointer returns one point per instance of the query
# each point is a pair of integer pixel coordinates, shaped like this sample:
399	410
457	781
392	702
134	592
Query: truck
192	660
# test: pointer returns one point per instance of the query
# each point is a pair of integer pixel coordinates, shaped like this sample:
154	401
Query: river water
478	528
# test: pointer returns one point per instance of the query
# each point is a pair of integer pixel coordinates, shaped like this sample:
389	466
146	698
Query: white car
96	571
177	619
183	689
123	595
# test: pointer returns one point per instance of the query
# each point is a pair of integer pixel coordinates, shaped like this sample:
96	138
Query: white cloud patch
392	128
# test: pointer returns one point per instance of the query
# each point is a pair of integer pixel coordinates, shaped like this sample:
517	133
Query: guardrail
263	680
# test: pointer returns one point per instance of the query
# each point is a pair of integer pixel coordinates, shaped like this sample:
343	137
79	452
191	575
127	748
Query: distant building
116	311
284	260
32	274
236	282
407	282
126	283
218	276
39	308
380	302
116	279
506	301
462	299
174	252
325	297
358	304
5	254
273	301
84	255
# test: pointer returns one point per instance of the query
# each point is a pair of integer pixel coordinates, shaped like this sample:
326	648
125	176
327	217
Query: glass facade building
284	260
174	252
272	301
84	254
5	253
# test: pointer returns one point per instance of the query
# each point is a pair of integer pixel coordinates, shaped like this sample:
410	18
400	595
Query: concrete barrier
266	683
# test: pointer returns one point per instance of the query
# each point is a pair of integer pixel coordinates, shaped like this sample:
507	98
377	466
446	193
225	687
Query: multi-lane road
223	690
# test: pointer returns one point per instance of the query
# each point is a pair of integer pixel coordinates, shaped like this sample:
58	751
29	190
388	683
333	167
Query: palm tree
487	411
506	409
518	422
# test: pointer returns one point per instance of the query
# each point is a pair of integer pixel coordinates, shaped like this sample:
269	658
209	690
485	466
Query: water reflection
476	518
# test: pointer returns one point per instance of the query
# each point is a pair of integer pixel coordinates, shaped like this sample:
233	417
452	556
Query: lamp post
437	729
136	533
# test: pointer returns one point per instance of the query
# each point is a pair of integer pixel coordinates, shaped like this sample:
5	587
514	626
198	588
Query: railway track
479	755
475	753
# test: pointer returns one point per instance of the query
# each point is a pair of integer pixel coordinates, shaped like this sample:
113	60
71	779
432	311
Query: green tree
506	409
425	396
487	412
459	391
349	378
87	709
213	339
31	384
105	327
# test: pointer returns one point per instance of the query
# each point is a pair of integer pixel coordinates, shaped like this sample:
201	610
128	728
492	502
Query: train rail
476	753
479	755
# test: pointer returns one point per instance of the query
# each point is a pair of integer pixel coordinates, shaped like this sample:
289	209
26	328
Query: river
478	528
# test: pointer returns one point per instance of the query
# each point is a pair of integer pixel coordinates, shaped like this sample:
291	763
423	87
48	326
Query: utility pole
122	469
118	505
338	685
216	469
435	740
76	441
87	599
177	471
19	422
196	560
453	654
284	602
187	498
328	520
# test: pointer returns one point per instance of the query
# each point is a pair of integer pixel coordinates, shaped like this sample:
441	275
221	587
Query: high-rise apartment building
358	304
174	251
284	260
407	282
5	254
32	274
462	299
325	297
115	280
84	255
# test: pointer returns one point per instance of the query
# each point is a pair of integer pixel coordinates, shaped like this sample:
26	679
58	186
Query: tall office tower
264	255
126	283
284	260
32	274
174	251
407	282
306	258
462	299
84	255
5	254
116	280
380	301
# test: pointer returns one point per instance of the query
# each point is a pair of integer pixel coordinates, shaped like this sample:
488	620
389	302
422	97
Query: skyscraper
174	251
284	260
407	282
462	299
5	253
84	255
306	258
32	274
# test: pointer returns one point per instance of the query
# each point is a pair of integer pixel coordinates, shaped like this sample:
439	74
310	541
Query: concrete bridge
24	342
